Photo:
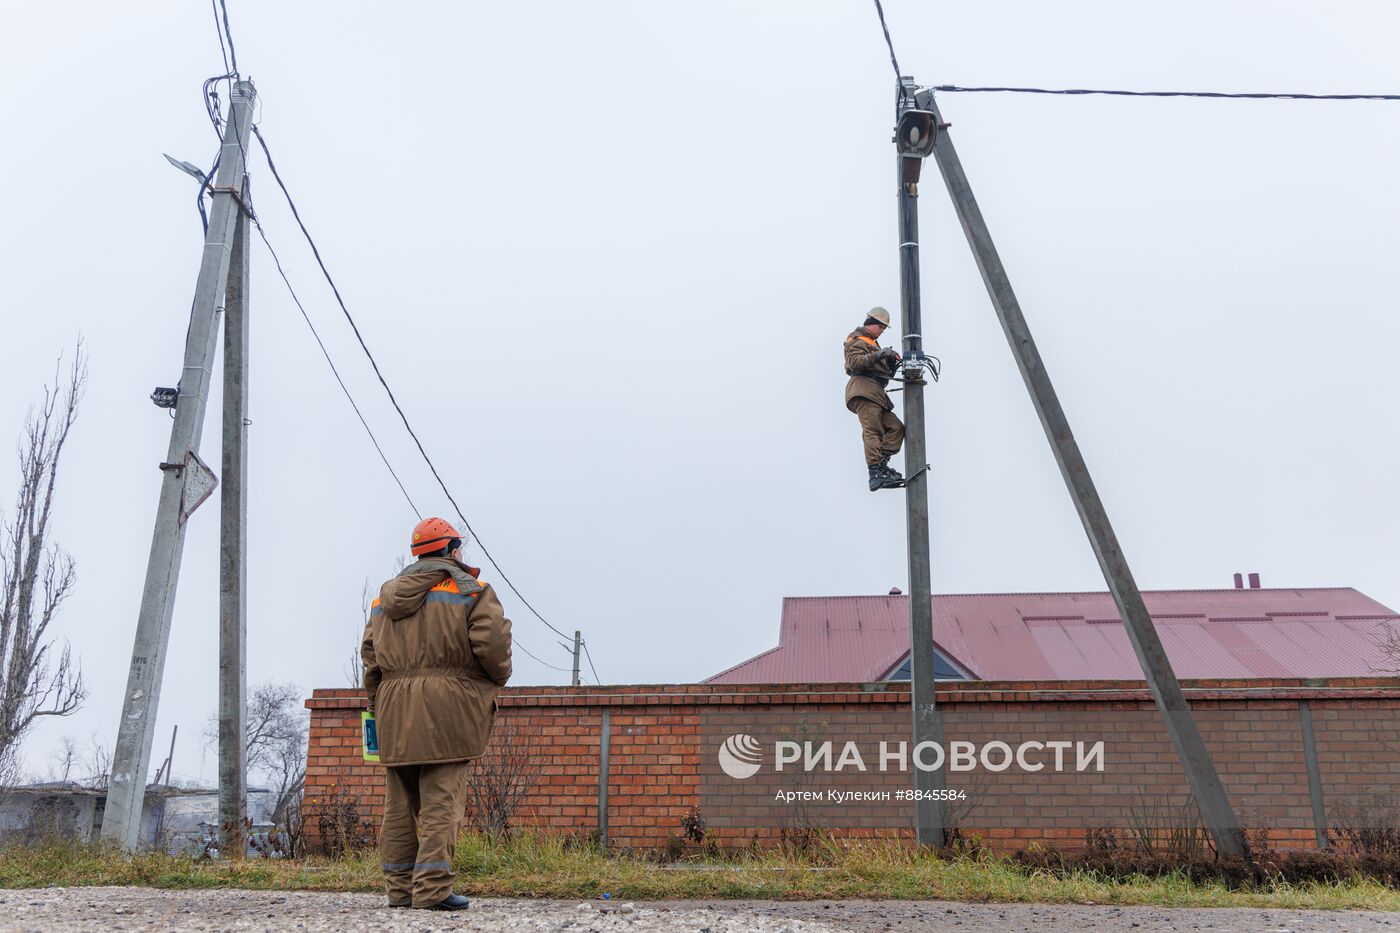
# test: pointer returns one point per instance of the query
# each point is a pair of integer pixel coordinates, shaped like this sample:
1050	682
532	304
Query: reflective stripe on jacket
436	651
869	371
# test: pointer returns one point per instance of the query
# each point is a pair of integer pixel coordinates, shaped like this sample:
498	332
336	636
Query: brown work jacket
869	371
436	650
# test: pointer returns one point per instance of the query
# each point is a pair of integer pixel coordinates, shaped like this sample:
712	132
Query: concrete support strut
1206	787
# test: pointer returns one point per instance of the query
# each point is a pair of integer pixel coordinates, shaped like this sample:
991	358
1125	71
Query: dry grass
531	866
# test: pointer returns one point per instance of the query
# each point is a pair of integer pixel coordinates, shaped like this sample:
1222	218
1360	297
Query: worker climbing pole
871	367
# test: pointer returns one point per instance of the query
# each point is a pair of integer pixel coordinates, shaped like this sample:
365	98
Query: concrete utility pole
929	814
1209	793
233	557
184	479
578	642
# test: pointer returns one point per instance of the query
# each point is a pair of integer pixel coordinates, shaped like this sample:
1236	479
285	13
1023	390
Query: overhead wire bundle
1226	95
1223	95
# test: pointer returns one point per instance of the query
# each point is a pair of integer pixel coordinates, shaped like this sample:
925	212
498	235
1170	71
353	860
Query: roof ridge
1226	589
742	663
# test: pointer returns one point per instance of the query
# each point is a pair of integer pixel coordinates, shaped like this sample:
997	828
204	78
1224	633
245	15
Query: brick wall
657	743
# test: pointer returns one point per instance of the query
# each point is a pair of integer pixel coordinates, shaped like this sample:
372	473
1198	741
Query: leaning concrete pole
132	758
930	825
1209	793
233	558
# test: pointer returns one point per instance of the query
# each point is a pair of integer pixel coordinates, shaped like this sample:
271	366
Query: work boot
890	471
877	477
452	902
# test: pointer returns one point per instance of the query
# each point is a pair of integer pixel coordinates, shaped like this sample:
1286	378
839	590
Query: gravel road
60	910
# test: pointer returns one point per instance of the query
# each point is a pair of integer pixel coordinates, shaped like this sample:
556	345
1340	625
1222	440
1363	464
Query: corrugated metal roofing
1066	636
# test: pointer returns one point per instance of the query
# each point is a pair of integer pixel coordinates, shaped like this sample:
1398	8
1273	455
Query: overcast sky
606	254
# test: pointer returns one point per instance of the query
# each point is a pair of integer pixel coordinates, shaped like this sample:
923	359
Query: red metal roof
1077	636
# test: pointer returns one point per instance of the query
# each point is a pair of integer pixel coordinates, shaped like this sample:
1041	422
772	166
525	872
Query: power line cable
214	4
267	154
900	96
1218	95
252	215
228	32
331	363
889	43
247	208
515	643
211	107
954	89
590	664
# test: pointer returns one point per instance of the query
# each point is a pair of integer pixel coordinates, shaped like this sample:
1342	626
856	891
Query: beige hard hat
879	314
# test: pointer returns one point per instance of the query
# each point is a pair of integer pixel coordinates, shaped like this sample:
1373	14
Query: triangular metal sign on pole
200	483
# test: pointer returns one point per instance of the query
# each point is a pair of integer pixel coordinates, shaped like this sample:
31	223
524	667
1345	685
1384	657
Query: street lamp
913	140
915	133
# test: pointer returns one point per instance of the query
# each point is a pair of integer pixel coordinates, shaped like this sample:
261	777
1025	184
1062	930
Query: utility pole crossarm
1206	787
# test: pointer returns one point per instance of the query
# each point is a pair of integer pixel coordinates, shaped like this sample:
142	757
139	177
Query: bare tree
97	766
36	575
502	779
275	743
354	666
64	760
277	748
1389	643
69	763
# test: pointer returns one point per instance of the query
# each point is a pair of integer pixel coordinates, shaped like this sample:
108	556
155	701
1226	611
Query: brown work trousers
880	429
423	807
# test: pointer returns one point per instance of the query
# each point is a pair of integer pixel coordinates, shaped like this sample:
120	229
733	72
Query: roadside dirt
131	909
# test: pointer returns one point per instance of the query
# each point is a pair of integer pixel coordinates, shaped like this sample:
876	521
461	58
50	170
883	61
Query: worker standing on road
436	651
871	367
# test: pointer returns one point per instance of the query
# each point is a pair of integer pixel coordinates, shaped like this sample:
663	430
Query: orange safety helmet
431	534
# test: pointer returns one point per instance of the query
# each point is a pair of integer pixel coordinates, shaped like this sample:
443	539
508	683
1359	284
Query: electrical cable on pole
335	372
267	154
596	678
233	55
214	5
211	104
1223	95
257	224
515	643
889	43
